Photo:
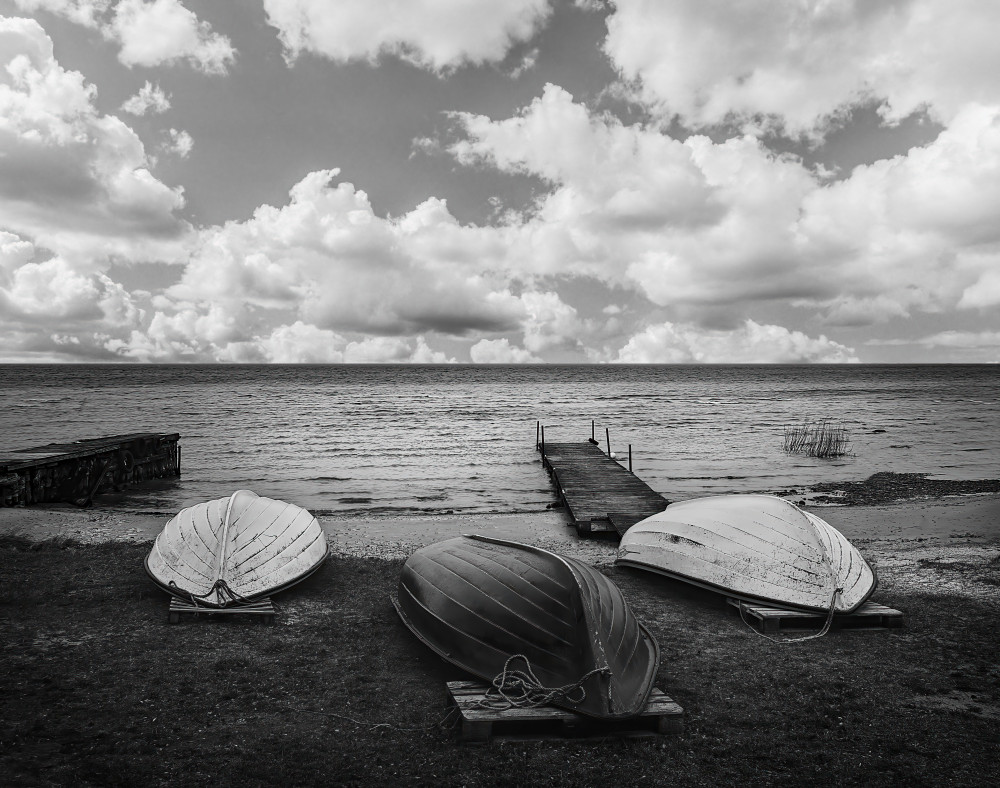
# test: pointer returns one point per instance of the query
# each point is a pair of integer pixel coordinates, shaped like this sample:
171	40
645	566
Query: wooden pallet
870	615
261	608
661	716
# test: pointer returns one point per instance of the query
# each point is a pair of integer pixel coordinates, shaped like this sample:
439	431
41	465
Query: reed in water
817	440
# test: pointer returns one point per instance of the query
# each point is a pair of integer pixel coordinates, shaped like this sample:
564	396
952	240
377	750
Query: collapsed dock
75	472
597	491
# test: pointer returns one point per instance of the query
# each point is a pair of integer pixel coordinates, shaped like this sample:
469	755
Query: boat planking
484	603
77	471
597	492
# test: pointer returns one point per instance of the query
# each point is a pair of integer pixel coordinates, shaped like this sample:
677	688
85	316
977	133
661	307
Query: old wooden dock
597	492
76	472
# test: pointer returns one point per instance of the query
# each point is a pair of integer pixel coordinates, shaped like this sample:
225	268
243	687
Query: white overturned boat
758	548
237	549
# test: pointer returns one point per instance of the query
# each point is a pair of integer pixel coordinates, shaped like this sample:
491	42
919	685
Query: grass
97	689
818	440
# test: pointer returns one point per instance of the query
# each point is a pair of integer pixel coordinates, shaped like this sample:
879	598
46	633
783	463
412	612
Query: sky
499	181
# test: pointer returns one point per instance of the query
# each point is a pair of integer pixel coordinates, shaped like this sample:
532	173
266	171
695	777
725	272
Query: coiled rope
521	689
826	625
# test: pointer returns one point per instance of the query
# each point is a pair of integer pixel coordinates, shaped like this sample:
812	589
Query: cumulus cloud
180	143
989	340
433	34
148	32
698	226
83	12
500	351
72	180
76	195
150	98
164	31
325	266
713	61
751	343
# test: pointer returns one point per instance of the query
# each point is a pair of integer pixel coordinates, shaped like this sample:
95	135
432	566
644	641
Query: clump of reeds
818	440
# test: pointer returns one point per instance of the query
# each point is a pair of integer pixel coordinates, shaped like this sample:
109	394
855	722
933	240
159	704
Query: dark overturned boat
234	550
757	548
481	603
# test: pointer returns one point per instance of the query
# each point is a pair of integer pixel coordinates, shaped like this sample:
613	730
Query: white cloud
150	98
180	143
52	293
71	180
710	61
989	340
500	351
985	292
699	226
435	34
83	12
751	343
149	32
164	31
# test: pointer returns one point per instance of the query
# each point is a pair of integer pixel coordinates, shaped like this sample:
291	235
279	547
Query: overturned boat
758	548
498	609
237	549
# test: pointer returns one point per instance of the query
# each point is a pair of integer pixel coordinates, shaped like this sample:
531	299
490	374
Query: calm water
375	440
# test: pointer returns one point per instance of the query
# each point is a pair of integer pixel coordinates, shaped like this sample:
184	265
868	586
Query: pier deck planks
598	493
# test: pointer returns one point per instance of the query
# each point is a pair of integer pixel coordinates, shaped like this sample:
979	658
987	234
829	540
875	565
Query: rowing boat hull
478	601
235	549
758	548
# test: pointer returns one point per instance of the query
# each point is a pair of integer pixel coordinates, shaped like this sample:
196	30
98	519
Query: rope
521	689
224	590
826	625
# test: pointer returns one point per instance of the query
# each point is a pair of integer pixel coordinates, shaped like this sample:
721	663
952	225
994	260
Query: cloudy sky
499	180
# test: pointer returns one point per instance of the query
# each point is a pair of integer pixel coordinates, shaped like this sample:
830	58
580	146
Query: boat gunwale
779	603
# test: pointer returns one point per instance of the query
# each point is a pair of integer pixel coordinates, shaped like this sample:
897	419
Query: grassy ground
97	689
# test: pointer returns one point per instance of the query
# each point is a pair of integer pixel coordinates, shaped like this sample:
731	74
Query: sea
350	441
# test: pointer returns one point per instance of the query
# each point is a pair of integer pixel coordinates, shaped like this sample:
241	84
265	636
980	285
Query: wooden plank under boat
759	548
479	601
237	549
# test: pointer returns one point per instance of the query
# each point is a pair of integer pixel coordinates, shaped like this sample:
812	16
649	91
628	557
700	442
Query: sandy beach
917	544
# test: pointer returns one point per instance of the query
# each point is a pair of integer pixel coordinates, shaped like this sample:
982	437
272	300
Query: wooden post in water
538	426
607	437
630	458
543	443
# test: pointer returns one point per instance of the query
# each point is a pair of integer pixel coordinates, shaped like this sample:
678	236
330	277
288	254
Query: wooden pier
76	472
598	493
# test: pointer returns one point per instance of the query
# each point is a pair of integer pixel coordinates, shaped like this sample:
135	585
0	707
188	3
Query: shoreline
945	545
971	516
